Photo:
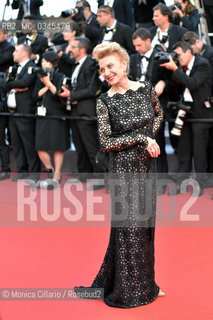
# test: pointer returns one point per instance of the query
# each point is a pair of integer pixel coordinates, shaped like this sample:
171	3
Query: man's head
29	24
22	52
3	35
86	9
141	39
184	51
193	39
80	48
105	16
162	15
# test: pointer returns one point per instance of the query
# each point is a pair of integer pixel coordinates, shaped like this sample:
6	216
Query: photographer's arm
171	65
194	81
25	82
48	85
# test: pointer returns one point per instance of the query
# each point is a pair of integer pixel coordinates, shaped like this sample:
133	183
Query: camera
163	57
10	74
56	48
40	72
64	82
76	13
177	4
179	121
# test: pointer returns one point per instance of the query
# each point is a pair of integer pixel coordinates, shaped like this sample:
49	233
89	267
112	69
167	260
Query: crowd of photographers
59	77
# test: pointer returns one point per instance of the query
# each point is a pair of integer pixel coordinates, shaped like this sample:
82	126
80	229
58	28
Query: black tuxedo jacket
85	92
34	8
92	29
38	46
24	101
154	71
123	36
199	83
123	11
175	34
6	55
207	53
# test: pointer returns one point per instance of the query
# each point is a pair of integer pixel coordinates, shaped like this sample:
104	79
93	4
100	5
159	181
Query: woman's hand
46	80
178	12
153	148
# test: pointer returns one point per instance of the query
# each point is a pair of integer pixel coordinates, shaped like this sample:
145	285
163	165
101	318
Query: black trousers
162	163
193	144
23	143
4	149
85	139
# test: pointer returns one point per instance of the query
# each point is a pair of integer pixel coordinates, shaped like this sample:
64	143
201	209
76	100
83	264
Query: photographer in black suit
24	9
114	30
22	130
205	51
6	60
122	9
165	33
37	42
145	67
85	87
196	83
91	25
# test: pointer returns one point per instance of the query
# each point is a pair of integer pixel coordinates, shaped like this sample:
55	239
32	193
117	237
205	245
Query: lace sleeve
158	112
110	143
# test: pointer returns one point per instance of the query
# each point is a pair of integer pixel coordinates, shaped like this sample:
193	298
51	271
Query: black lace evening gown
125	121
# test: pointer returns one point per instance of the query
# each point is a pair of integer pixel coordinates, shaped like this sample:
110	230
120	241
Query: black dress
51	134
124	121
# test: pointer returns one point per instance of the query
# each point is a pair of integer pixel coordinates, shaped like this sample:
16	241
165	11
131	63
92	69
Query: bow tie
108	30
28	39
184	68
144	57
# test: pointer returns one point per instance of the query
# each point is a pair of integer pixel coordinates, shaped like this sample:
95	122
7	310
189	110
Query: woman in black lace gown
129	116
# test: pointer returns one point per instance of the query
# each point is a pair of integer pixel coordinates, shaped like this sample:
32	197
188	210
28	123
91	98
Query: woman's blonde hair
106	49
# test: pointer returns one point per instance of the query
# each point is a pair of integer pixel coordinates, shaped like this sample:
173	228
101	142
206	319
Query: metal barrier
66	117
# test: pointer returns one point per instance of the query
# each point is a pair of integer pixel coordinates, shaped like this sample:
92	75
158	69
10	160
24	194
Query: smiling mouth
110	78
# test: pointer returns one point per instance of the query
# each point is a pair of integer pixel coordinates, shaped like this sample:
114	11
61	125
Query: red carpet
55	256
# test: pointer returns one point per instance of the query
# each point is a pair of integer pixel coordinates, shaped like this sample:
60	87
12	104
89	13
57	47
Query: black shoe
97	184
77	180
160	190
174	191
20	176
4	175
48	184
197	191
208	183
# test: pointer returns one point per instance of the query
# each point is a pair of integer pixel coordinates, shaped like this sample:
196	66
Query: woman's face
113	69
46	64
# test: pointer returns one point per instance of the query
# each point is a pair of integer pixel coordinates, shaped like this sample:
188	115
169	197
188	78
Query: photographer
165	33
22	130
85	88
34	8
37	42
145	67
6	59
196	83
69	33
186	15
91	25
51	134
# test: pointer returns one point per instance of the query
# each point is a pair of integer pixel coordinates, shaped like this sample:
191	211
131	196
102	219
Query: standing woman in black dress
129	116
51	134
